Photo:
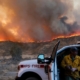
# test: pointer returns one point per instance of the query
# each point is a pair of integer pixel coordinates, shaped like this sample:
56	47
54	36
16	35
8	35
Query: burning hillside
38	20
16	50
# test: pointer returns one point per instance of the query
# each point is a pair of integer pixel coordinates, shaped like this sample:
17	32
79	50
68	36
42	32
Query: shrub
16	52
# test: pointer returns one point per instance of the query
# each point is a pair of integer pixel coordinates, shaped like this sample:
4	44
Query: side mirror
40	58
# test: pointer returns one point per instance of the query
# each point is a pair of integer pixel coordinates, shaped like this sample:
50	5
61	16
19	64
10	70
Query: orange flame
11	31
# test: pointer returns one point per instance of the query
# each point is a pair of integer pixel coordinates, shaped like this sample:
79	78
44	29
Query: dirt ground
8	67
8	62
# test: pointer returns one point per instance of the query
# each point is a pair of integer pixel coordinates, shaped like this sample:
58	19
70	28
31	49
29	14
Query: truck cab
45	68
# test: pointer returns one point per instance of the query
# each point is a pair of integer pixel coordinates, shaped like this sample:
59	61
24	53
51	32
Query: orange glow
2	39
68	36
5	15
16	26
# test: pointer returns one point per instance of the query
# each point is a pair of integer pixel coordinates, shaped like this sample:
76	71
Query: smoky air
38	20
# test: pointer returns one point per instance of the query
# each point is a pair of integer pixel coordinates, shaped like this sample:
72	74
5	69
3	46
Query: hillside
11	53
20	49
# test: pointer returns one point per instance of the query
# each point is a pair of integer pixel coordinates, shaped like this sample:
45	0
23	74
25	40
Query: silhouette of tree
16	52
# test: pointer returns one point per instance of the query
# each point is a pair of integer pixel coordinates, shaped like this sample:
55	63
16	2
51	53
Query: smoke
37	20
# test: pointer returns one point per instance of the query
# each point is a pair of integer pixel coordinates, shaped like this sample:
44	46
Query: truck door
52	66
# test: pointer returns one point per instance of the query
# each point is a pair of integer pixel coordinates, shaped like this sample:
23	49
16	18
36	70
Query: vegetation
16	52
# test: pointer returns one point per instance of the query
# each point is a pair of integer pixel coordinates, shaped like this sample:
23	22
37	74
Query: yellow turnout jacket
67	61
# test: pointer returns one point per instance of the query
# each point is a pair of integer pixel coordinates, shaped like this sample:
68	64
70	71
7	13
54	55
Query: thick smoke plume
37	20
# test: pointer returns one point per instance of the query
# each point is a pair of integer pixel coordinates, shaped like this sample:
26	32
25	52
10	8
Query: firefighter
71	65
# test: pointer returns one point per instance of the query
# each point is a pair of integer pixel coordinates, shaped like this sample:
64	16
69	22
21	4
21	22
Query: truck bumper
17	78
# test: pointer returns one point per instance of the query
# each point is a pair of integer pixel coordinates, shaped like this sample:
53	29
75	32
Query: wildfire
17	23
68	36
5	15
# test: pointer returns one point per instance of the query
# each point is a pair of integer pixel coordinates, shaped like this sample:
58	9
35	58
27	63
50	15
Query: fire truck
45	68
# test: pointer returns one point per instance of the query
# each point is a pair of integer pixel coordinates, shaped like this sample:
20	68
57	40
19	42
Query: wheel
32	78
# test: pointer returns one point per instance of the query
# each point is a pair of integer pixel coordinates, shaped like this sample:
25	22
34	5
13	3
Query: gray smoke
39	20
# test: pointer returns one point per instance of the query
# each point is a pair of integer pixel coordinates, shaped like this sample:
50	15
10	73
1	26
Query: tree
16	52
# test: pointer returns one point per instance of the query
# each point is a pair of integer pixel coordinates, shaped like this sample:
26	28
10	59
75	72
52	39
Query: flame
13	29
5	15
72	35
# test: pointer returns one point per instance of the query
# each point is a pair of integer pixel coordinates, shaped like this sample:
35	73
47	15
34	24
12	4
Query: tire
31	78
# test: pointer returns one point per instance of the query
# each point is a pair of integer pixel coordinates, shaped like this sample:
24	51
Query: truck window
61	56
59	59
78	51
